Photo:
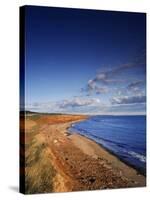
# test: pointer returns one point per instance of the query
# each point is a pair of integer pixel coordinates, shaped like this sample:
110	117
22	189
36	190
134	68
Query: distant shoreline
85	114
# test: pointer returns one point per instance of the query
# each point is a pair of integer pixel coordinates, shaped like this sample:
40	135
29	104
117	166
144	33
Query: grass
33	117
39	172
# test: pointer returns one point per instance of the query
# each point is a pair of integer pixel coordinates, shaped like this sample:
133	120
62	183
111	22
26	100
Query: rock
92	179
55	141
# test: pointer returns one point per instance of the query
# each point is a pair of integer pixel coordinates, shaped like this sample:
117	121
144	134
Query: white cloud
114	76
94	88
77	102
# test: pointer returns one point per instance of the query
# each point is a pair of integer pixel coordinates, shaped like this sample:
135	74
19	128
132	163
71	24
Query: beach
57	161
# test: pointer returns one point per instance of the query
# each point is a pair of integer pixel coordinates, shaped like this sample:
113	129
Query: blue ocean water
124	136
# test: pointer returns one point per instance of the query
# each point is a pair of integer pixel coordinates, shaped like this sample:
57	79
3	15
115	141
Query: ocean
123	136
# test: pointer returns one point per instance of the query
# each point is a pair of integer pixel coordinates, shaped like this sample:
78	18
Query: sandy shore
70	162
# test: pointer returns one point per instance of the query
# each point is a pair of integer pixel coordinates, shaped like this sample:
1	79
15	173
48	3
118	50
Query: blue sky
84	61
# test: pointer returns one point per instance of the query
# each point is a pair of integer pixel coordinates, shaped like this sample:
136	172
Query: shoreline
77	162
134	170
138	170
129	172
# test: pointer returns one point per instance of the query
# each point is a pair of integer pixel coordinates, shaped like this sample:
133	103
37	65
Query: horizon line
71	113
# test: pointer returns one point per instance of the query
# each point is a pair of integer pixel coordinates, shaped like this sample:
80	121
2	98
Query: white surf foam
138	156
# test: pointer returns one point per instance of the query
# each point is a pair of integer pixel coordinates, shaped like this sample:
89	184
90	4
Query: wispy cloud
78	102
101	90
120	105
109	76
42	106
128	99
135	85
102	81
64	105
93	88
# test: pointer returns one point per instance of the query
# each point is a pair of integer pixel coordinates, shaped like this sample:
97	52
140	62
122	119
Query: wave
133	154
138	156
99	139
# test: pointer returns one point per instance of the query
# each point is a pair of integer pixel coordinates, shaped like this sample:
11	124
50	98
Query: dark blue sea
124	136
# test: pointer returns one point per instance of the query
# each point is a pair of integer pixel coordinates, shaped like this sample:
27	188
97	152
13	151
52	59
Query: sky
85	61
